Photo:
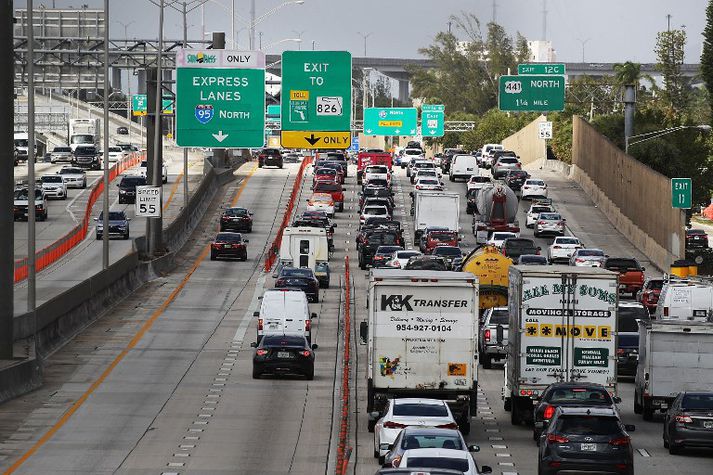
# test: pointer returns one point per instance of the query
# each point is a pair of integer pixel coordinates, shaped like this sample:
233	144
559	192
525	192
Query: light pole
299	35
583	42
313	43
365	36
255	21
285	40
660	133
105	158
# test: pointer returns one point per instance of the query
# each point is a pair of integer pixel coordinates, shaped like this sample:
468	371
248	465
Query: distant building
541	52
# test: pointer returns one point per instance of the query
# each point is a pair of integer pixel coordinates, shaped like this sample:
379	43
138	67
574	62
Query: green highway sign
139	105
316	98
220	98
681	193
391	121
432	123
542	68
537	93
273	113
433	108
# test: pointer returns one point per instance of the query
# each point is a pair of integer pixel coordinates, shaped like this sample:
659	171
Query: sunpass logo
201	58
396	303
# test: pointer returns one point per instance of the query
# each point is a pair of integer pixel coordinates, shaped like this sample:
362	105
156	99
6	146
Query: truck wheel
507	404
648	412
465	428
369	396
486	361
637	405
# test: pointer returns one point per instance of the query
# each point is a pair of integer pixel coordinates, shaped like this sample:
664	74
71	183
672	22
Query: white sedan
376	172
499	237
534	211
143	170
400	258
406	412
534	188
562	248
458	460
587	258
372	211
477	182
428	184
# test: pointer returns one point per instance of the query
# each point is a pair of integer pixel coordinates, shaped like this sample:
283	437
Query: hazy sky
616	30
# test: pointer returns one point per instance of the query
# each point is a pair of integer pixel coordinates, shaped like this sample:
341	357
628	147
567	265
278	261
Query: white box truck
84	132
674	356
435	208
685	300
421	339
563	323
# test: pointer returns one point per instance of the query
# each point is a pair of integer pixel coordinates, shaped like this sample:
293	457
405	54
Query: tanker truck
496	209
491	268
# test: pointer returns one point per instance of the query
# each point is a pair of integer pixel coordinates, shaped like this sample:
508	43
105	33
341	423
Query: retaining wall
526	142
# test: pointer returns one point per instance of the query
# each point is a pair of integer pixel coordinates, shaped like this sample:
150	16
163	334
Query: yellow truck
490	266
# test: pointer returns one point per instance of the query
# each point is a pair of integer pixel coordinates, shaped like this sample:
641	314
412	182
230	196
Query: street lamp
285	40
660	133
299	35
365	36
255	21
583	42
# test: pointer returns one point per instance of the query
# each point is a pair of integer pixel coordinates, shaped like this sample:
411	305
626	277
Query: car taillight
394	425
549	412
39	207
684	419
418	187
578	260
260	352
518	165
308	325
561	223
259	323
487	335
305	353
396	461
215	245
620	351
450	425
556	439
556	247
279	282
225	218
620	441
539	223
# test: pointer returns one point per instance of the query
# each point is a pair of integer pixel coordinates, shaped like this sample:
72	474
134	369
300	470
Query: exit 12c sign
681	193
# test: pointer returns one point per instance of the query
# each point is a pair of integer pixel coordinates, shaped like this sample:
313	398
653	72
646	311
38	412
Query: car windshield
697	402
236	212
71	171
376	210
591	253
283	340
629	315
379	182
519	244
113	216
534	182
623	264
382	238
407	254
690	232
326	171
62	149
114	149
426	181
533	260
428	441
52	179
460	465
442	236
423	410
386	250
501	236
585	394
296	272
131	181
540	209
480	179
228	237
568	241
327	187
22	194
377	169
447	251
499	316
424	165
655	284
588	425
508	160
414	151
550	217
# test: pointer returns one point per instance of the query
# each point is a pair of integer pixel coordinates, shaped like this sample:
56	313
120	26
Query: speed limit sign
148	201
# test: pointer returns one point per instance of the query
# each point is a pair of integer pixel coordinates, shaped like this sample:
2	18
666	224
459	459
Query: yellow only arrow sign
315	140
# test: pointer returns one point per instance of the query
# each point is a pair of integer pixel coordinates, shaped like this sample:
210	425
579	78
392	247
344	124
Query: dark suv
588	439
87	157
269	157
516	247
373	241
127	188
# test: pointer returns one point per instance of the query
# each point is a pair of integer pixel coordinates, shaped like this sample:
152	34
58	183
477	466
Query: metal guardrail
44	121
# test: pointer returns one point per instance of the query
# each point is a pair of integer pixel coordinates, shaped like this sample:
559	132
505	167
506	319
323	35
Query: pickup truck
20	204
631	274
493	338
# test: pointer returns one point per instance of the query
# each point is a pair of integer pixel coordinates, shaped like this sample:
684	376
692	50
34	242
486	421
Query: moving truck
435	208
563	323
421	335
304	247
84	132
674	356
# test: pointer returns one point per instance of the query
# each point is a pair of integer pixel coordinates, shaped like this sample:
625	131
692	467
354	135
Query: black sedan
299	278
689	422
118	225
283	354
229	245
236	219
515	179
568	395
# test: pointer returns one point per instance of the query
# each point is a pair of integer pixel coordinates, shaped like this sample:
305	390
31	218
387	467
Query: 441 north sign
220	98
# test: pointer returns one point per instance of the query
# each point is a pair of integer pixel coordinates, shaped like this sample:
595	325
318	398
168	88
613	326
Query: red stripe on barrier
55	251
343	452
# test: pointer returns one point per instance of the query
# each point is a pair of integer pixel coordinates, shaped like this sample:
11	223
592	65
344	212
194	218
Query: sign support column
154	148
219	153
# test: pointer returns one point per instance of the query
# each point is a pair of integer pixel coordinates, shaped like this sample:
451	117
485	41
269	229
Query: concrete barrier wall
635	198
526	142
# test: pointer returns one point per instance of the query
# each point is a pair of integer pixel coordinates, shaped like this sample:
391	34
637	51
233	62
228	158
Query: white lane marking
496	446
503	455
643	452
247	318
71	203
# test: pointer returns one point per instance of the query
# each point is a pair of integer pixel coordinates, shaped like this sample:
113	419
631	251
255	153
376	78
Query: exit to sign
681	193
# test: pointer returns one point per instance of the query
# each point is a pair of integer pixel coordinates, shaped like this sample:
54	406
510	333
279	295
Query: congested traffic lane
190	371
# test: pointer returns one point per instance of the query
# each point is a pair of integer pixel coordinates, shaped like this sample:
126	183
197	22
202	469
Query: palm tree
627	74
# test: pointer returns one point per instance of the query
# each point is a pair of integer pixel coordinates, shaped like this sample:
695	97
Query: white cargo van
463	167
304	247
685	300
284	311
487	153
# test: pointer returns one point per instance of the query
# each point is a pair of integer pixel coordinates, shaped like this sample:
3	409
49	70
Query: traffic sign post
681	193
148	202
220	98
316	101
545	131
397	121
432	123
557	69
537	93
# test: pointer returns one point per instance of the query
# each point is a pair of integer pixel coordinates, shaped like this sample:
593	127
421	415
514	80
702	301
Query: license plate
227	246
588	447
708	424
284	354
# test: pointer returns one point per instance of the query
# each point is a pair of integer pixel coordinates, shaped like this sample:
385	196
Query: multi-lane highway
162	383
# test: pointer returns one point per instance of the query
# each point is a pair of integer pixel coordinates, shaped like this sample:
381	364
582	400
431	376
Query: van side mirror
364	331
246	240
486	469
256	314
473	448
374	415
253	344
616	399
312	315
643	269
630	427
315	346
